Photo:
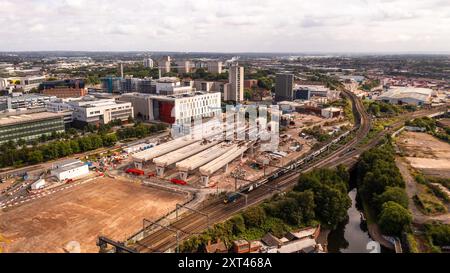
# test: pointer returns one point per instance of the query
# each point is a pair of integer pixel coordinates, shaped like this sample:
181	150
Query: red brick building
65	92
250	83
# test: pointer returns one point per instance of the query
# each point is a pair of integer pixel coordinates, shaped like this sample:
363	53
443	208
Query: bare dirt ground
426	153
412	188
105	206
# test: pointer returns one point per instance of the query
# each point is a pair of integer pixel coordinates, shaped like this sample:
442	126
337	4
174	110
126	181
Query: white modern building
148	63
407	95
26	101
171	86
100	111
331	112
69	169
174	108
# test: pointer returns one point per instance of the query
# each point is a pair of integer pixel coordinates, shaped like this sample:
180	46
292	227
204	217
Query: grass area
378	125
438	235
346	105
413	245
427	201
430	199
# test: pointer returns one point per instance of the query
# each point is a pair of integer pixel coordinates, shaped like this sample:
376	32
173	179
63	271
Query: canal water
350	236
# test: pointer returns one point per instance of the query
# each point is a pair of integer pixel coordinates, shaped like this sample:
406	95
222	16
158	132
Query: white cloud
227	25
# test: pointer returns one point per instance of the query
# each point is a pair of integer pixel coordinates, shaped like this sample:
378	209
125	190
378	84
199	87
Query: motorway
163	239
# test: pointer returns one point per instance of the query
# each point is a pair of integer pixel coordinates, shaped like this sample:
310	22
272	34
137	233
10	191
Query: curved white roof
221	161
203	158
180	154
163	149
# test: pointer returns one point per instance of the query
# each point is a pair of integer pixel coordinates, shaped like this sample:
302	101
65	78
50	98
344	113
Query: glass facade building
31	128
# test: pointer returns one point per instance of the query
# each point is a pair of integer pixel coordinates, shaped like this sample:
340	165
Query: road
190	223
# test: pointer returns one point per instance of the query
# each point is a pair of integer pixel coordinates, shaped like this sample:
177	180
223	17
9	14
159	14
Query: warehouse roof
422	94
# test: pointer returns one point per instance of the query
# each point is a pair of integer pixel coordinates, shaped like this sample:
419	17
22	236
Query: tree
237	224
248	94
395	194
439	233
330	195
306	205
254	216
35	157
265	82
394	218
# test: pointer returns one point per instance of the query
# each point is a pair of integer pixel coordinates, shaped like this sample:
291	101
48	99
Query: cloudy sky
226	25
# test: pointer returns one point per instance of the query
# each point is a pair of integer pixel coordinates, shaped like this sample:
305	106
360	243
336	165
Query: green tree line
383	189
320	196
11	155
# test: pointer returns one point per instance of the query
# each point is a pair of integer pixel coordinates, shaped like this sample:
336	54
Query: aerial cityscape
269	131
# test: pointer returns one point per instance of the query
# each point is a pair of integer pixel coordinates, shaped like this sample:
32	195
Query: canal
350	236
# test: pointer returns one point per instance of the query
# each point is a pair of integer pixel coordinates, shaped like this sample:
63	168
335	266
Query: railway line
164	239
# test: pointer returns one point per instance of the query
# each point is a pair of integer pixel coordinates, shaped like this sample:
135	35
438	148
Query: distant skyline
365	26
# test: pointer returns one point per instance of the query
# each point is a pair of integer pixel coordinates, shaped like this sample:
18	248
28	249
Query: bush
438	233
394	219
254	216
395	194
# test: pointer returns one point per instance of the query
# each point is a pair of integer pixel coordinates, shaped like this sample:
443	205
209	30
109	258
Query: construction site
211	161
148	179
105	206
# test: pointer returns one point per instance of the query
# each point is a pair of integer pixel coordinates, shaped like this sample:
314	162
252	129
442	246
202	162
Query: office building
99	111
307	92
250	84
64	92
164	64
29	125
111	84
184	67
25	101
30	82
148	63
236	80
215	67
171	86
284	84
174	108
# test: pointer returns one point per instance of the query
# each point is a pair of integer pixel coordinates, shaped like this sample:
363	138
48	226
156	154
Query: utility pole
237	174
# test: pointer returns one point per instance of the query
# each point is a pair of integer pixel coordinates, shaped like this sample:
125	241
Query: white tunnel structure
180	154
200	159
222	161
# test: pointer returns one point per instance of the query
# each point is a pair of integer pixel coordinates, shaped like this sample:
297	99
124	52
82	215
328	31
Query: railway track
161	240
190	224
